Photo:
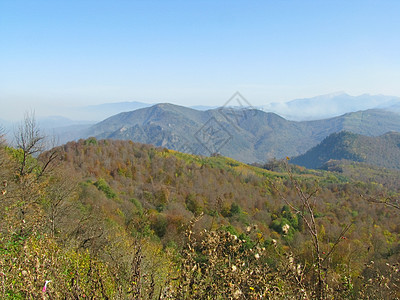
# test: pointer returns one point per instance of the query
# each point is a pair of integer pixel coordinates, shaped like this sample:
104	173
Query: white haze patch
330	105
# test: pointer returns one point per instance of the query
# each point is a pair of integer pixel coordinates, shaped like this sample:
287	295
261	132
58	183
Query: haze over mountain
247	135
330	105
102	111
314	108
59	128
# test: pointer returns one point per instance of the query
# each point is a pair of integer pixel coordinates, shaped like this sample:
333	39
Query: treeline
106	219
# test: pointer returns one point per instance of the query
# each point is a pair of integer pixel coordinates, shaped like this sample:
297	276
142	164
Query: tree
305	209
61	188
30	141
31	164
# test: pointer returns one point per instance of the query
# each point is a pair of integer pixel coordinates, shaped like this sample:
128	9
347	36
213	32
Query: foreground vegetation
119	220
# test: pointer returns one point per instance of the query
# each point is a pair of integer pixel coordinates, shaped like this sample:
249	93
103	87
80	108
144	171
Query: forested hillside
380	151
109	219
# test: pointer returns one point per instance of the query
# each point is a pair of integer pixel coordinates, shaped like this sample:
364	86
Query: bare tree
385	200
58	203
29	140
32	162
305	208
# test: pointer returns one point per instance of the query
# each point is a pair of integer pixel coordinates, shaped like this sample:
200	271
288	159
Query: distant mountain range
100	112
314	108
381	151
105	110
247	135
58	127
331	105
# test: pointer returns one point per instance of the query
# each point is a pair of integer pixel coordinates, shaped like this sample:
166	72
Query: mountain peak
335	94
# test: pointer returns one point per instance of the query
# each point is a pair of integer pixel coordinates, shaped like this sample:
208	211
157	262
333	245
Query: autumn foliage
106	219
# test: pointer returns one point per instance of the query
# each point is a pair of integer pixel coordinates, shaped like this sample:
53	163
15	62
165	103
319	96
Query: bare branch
29	140
387	201
28	137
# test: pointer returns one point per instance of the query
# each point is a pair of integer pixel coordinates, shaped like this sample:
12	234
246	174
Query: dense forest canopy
110	219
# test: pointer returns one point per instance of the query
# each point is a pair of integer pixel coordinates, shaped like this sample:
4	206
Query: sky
57	54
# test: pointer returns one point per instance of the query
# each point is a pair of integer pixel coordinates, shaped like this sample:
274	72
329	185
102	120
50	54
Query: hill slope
245	135
383	151
110	219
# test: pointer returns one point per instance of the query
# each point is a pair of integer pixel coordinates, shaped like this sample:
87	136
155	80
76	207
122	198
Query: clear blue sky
61	53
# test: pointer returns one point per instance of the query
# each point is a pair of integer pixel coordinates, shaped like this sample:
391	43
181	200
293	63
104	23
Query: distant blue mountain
330	105
103	111
58	121
203	107
314	108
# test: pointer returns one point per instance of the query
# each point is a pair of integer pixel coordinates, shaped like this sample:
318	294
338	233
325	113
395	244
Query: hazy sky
62	53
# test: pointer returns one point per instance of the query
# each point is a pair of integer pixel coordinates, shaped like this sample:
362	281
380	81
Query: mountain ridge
247	135
380	151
